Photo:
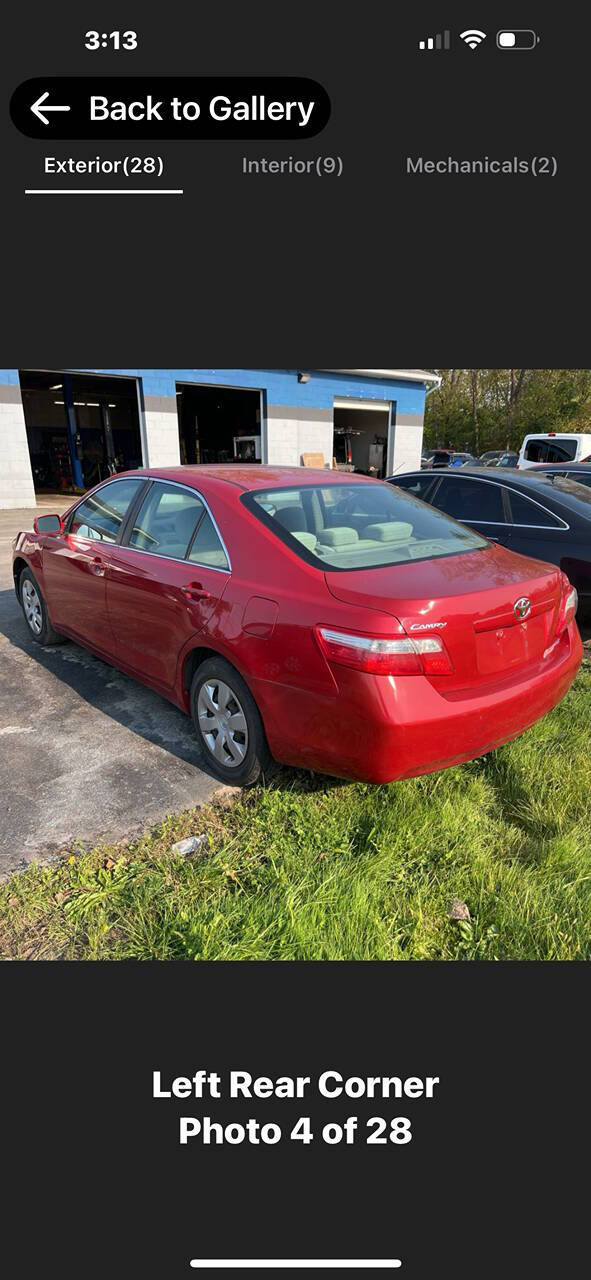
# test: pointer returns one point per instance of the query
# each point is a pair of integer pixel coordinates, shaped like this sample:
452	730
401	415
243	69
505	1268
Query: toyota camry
333	623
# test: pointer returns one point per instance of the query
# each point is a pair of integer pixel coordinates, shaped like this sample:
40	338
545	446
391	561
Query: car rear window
550	450
359	526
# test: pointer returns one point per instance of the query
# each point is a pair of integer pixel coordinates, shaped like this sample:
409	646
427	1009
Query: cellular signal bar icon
436	42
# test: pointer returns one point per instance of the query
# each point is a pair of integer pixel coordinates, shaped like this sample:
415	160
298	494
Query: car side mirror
48	524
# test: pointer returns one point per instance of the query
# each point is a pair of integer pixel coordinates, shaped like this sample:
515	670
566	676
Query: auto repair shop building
65	430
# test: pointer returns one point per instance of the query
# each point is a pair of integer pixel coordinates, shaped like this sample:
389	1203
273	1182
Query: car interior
176	524
171	522
349	529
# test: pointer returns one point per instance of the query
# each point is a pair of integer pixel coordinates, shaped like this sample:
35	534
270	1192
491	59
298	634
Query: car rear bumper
380	728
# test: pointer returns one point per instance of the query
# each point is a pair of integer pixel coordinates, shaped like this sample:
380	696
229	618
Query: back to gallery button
169	107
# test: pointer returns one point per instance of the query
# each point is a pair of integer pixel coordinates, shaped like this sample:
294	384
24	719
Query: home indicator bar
315	1264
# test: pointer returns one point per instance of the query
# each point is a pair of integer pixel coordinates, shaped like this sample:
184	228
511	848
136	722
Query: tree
495	408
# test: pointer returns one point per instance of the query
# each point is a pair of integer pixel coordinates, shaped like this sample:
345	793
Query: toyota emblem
522	607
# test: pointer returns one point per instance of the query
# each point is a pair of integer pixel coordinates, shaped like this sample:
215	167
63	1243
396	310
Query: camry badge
428	626
522	607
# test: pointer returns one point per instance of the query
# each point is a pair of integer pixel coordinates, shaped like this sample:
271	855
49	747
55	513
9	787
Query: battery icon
522	39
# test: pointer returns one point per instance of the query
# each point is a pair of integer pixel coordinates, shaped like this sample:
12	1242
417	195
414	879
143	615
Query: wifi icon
473	38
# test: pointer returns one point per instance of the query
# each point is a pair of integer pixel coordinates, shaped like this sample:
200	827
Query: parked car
580	472
438	458
447	458
535	514
503	460
335	623
491	456
554	447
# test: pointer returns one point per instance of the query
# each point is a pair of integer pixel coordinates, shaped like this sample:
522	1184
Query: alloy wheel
222	723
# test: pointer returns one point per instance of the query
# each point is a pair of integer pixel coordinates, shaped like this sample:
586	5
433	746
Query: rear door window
475	501
524	512
167	521
100	517
206	548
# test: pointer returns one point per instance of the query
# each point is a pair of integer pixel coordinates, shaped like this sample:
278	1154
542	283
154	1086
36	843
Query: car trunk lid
496	612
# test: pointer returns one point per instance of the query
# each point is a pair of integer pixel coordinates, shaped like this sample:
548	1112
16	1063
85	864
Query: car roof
538	485
557	435
549	467
251	475
528	479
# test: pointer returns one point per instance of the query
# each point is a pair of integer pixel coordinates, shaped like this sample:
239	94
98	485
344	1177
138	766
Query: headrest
307	540
338	537
391	531
292	518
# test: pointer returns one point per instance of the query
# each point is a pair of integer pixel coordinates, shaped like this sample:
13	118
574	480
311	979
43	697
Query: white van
554	446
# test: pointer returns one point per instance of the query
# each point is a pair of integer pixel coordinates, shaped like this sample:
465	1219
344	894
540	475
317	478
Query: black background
371	269
368	269
492	1183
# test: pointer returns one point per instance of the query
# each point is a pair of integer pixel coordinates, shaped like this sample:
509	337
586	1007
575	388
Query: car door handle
97	567
195	591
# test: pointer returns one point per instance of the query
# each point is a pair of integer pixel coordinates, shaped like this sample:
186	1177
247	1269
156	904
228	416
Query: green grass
313	869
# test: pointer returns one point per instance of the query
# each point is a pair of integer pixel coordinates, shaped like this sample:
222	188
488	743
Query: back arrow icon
36	108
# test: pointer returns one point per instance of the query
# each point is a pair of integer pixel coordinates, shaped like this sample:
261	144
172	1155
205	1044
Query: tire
236	753
35	610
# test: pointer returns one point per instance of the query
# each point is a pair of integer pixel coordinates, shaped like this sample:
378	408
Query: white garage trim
344	402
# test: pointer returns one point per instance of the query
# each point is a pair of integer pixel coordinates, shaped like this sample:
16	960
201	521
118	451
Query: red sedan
334	623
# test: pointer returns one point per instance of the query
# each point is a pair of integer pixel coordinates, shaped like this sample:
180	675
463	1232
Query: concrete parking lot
85	752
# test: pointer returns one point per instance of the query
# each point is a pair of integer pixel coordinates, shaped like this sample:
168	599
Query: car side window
166	521
561	453
419	486
524	512
100	517
471	500
580	477
206	547
536	451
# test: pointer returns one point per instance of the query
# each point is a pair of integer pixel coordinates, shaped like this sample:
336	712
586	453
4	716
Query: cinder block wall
16	478
292	432
407	443
298	417
161	428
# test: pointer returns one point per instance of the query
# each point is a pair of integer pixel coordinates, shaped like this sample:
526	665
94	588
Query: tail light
386	656
568	606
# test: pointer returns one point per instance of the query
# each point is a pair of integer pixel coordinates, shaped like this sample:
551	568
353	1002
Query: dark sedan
578	471
532	512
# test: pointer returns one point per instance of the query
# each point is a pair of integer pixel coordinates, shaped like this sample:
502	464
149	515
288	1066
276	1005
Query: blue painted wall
281	385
